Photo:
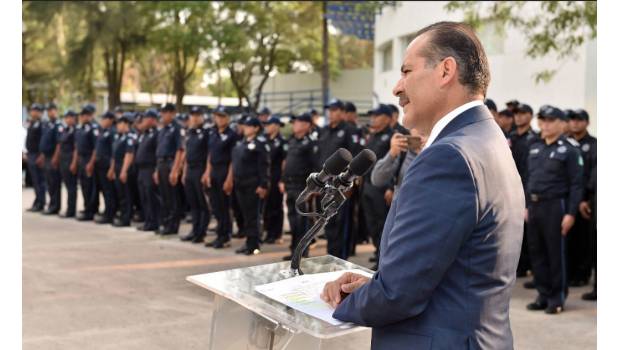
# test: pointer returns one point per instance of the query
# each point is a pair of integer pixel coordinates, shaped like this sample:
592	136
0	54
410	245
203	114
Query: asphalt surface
89	286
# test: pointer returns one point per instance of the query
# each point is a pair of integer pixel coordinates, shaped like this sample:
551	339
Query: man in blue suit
452	238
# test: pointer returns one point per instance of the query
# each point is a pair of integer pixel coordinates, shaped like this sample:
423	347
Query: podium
245	319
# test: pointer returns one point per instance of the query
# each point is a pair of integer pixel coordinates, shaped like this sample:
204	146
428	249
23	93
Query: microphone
335	164
359	166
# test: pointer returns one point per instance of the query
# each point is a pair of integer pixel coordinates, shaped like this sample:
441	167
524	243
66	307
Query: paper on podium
303	293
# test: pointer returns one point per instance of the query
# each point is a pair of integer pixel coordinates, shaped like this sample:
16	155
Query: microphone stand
330	203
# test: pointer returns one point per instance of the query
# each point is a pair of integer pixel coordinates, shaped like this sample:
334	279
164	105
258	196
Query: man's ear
447	70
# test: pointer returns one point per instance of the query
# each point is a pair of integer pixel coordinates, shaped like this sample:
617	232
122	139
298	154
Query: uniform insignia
580	161
61	129
224	137
276	143
35	125
261	138
534	151
585	147
562	149
572	141
340	133
285	147
95	132
182	132
356	139
385	137
314	135
130	142
304	142
200	136
315	149
87	127
267	148
552	154
363	142
251	146
106	134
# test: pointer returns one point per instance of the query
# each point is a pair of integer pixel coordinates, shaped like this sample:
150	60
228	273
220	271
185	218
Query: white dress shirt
446	119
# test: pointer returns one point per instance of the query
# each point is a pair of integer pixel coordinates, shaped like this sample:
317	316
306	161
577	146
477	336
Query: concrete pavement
89	286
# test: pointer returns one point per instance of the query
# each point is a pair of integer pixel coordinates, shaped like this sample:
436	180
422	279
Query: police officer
218	176
47	147
132	175
250	169
85	140
300	162
67	160
335	135
505	120
263	115
170	149
274	213
554	188
492	107
374	204
579	257
146	162
35	163
196	153
103	157
395	124
315	123
234	203
520	141
123	150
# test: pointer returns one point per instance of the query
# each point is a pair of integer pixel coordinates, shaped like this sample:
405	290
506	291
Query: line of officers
558	171
156	166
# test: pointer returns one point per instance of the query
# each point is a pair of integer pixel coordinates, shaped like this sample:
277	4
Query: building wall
512	73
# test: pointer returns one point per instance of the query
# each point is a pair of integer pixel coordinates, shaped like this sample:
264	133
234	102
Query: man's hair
458	40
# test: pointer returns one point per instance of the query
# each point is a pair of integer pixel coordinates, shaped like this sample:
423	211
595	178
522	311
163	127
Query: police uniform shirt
103	146
169	140
49	138
277	153
331	139
587	146
147	145
520	148
85	138
556	171
301	158
379	143
123	144
358	137
250	161
66	139
197	146
33	138
221	145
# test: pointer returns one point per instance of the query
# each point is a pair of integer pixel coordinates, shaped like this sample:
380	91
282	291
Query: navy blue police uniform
146	161
554	189
250	163
124	144
33	140
274	211
169	142
85	140
66	141
103	159
47	147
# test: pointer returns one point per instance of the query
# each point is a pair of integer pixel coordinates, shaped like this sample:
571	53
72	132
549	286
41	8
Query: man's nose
398	88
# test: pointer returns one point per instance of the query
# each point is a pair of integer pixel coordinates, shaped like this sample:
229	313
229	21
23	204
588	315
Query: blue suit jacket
450	246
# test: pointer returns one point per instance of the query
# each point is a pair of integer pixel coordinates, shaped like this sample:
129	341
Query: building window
386	57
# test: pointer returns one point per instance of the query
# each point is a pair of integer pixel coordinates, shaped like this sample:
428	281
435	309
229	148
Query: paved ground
87	286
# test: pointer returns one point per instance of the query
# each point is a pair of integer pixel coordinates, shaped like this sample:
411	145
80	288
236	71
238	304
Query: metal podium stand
245	319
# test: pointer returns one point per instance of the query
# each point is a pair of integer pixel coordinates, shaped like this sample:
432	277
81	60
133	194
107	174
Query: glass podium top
238	286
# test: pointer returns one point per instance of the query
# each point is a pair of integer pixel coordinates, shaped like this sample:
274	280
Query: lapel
472	115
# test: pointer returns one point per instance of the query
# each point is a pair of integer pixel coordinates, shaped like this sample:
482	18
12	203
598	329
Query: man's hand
55	162
585	210
90	167
110	174
40	161
228	186
335	291
73	168
398	143
388	196
206	180
156	177
173	177
281	187
261	192
567	222
123	177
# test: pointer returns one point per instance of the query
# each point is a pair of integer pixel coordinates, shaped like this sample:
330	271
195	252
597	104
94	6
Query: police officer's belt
535	198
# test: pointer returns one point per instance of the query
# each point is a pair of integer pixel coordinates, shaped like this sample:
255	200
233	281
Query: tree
559	28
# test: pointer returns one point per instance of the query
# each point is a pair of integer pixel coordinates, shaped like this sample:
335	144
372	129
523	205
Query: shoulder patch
572	141
585	147
340	133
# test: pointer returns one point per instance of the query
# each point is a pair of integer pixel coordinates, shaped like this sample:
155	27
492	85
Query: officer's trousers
375	212
524	257
195	195
53	183
251	208
123	195
88	188
220	202
107	188
547	249
236	211
170	201
578	260
149	197
132	180
299	224
70	181
274	211
38	181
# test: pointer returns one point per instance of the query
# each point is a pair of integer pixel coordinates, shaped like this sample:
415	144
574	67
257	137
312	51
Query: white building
512	73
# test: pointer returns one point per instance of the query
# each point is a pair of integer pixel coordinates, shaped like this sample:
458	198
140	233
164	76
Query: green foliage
557	28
